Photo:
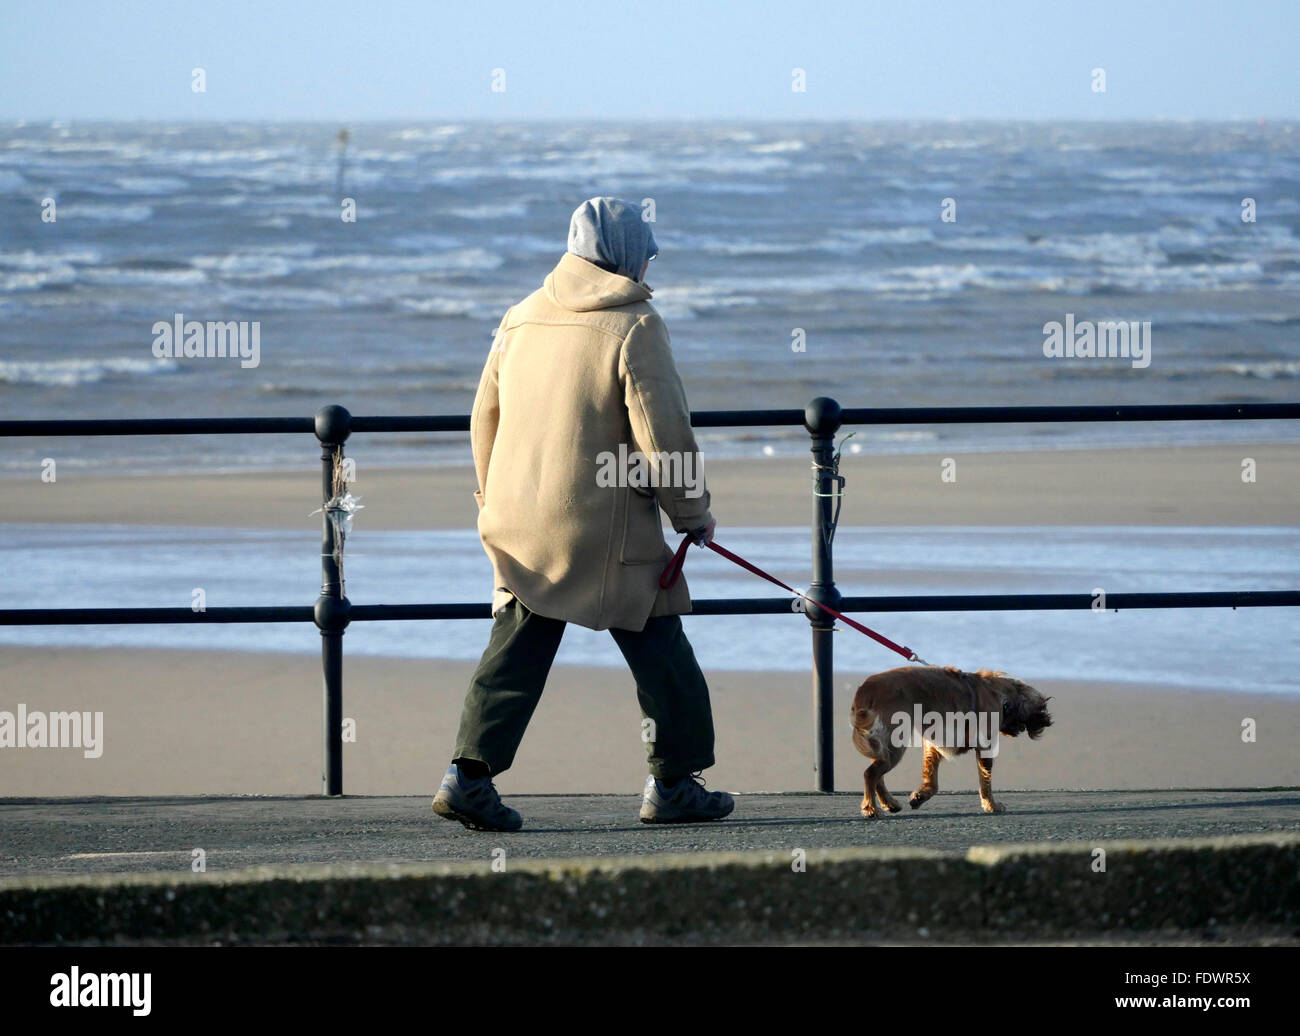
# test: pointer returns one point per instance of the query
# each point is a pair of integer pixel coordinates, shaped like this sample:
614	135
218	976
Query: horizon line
17	122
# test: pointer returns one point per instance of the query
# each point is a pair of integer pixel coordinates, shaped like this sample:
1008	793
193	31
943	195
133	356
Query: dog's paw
868	811
993	807
916	800
892	805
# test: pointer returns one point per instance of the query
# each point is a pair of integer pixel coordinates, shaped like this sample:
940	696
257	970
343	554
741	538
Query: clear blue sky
131	59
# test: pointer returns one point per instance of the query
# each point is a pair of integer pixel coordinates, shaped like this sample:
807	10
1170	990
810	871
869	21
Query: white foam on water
35	280
1268	370
69	373
151	184
490	211
106	213
446	307
32	260
436	133
119	276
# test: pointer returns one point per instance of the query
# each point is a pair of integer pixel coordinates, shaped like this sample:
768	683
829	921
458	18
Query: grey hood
610	230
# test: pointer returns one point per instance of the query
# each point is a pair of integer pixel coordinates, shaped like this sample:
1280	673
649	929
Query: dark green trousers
508	683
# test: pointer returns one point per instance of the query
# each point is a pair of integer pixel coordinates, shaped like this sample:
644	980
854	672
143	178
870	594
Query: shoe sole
447	812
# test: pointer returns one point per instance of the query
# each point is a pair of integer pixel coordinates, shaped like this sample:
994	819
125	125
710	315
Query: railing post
333	425
822	419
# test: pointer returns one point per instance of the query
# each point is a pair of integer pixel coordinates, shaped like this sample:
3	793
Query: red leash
668	579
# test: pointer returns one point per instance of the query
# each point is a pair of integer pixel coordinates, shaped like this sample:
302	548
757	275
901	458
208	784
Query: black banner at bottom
172	985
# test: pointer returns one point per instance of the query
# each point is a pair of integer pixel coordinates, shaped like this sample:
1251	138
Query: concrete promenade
787	867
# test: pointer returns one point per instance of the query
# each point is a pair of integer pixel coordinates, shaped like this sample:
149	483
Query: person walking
580	383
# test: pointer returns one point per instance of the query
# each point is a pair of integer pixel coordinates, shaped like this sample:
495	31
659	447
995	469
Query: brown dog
947	711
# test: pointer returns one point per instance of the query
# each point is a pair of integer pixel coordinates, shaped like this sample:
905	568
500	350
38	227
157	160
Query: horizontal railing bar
1073	602
712	606
402	612
149	616
745	418
426	423
1070	414
162	426
719	606
699	419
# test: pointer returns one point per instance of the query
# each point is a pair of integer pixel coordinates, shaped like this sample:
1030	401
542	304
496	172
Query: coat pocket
643	536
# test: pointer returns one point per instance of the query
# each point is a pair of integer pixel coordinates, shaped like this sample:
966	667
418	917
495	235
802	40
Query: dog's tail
1024	710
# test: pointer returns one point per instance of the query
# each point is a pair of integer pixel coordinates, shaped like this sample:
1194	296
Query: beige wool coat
580	367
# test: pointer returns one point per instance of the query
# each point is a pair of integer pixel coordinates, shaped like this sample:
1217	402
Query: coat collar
581	286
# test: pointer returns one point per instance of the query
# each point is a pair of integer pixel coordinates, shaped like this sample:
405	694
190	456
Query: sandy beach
1170	485
201	722
195	723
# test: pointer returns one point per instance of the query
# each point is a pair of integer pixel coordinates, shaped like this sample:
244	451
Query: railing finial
333	424
823	416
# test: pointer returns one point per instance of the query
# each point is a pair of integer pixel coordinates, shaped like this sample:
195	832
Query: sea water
1249	649
827	236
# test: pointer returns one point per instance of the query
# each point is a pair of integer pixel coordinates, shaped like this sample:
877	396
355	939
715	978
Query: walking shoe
474	802
686	802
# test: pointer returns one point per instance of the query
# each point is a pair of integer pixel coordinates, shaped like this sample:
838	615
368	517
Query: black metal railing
822	418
